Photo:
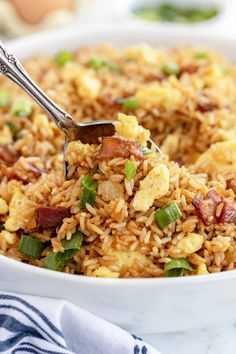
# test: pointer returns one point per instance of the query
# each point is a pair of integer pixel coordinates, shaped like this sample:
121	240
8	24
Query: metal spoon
88	132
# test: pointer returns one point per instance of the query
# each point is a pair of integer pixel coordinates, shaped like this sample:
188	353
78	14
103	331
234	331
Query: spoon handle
12	68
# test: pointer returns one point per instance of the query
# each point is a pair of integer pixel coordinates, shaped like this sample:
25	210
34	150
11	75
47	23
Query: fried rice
125	209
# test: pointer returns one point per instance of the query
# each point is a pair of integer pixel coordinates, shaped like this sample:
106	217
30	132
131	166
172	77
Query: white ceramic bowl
139	305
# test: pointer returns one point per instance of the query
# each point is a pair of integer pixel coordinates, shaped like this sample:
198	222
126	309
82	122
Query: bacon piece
228	213
36	172
214	196
190	69
51	217
205	209
116	147
206	106
7	154
108	100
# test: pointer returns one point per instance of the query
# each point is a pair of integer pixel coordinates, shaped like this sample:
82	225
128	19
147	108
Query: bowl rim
179	33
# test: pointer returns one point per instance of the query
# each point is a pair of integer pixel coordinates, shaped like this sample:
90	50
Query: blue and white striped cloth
30	324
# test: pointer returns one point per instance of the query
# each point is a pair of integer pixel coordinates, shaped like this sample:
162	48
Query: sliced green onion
88	183
4	98
201	55
88	196
168	214
146	151
98	64
11	126
176	266
130	103
63	57
57	261
74	243
171	69
22	108
89	191
31	246
130	170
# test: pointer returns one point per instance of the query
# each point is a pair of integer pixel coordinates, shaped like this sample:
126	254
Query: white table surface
214	340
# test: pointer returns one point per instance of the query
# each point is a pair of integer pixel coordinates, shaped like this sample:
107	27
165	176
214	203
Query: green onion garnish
89	191
22	108
11	126
130	170
168	214
201	55
88	183
17	136
57	261
129	103
171	69
146	151
63	57
74	243
31	246
98	64
4	98
176	267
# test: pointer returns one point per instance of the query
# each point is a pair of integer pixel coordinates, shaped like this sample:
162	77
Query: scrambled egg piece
10	237
104	272
128	128
143	53
190	243
3	207
5	135
153	186
13	223
87	84
127	259
202	269
167	98
219	158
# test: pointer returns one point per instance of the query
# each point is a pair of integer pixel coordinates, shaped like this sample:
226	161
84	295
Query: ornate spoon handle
12	68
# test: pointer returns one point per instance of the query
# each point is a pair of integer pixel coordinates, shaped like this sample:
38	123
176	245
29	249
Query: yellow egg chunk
13	223
202	269
129	128
3	206
153	186
104	272
190	243
157	95
127	259
142	52
5	135
219	158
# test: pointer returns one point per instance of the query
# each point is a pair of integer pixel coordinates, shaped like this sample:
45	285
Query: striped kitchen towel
30	324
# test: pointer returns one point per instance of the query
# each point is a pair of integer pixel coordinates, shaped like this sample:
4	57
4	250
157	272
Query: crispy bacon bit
108	100
34	170
51	217
206	106
190	69
214	196
153	77
228	213
205	209
7	154
214	209
116	147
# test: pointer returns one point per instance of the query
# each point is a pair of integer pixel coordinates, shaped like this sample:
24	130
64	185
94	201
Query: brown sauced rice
190	113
